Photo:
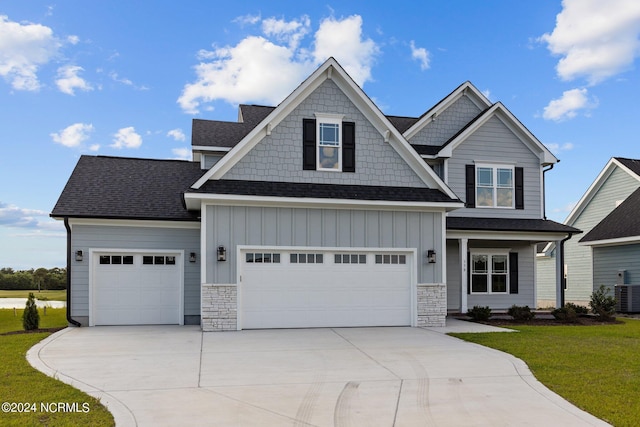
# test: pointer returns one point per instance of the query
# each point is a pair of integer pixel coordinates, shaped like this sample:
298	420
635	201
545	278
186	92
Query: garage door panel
287	295
138	293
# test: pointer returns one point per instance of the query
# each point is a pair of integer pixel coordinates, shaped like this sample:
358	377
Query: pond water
20	302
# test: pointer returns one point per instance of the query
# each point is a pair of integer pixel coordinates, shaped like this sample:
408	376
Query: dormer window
494	186
328	144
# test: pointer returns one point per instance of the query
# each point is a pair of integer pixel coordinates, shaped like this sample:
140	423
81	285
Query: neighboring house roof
622	225
631	166
330	70
508	224
215	133
323	191
128	188
402	123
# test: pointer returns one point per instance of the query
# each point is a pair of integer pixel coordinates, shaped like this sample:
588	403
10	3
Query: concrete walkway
177	375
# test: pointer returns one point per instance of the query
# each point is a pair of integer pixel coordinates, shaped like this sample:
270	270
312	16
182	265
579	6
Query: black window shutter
468	272
471	186
348	147
519	178
513	272
308	144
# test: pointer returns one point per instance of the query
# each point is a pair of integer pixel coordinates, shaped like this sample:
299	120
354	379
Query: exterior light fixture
222	253
79	256
192	257
431	256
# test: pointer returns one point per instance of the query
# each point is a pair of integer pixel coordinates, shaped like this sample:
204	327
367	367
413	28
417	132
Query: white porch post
463	244
559	273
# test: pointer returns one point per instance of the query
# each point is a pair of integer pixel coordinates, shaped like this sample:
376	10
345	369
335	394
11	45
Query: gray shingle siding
447	124
279	157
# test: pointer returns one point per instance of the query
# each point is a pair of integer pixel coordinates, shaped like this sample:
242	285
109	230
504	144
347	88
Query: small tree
602	304
30	316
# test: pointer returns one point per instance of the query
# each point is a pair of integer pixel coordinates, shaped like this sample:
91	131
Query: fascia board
209	148
505	235
612	242
310	202
477	98
134	223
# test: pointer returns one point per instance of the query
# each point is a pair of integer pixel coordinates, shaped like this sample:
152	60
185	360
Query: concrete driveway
177	375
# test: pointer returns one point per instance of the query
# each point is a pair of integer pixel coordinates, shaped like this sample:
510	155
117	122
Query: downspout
563	280
69	319
544	191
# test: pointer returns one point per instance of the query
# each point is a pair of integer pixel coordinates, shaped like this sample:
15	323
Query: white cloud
568	105
177	134
596	39
126	138
181	153
73	39
421	55
125	81
14	216
557	148
68	80
265	69
73	136
23	49
247	19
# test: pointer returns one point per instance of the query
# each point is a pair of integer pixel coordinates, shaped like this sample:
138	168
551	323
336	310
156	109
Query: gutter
69	319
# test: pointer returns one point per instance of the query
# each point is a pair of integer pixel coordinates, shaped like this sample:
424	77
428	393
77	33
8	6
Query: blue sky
126	78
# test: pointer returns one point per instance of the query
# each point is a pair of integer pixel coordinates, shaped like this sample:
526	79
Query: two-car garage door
136	288
307	288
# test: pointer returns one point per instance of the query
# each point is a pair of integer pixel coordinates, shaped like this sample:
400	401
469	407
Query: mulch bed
34	331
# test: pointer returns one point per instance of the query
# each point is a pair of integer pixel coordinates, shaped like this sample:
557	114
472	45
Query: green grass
42	295
597	368
20	383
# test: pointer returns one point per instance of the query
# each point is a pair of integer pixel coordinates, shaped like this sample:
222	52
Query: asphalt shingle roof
508	224
323	191
215	133
128	188
623	221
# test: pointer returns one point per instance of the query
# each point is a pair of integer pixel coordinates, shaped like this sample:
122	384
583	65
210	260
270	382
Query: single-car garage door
136	289
303	288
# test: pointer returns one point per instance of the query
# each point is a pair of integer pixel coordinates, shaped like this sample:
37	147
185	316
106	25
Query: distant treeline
41	278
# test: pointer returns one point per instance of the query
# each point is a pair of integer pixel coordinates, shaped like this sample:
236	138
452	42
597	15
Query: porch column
463	244
559	273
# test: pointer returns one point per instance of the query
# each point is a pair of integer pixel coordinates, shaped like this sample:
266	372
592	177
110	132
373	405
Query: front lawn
36	397
597	368
60	295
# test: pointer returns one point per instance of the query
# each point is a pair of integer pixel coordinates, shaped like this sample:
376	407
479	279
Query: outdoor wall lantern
192	257
222	253
431	256
79	256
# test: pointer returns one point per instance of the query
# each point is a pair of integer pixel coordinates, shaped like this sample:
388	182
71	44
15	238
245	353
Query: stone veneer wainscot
219	307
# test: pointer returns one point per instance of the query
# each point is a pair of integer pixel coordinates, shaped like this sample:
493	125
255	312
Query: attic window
328	144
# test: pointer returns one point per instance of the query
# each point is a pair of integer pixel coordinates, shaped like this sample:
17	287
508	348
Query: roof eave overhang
194	201
612	242
532	236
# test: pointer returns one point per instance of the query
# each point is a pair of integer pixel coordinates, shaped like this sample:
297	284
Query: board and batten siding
578	258
526	279
278	157
447	124
608	260
492	141
85	237
231	226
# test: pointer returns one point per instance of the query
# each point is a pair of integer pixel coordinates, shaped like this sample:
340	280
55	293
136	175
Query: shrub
479	313
30	316
602	304
520	313
570	312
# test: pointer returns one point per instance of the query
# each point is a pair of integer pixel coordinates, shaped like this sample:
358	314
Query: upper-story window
328	144
494	186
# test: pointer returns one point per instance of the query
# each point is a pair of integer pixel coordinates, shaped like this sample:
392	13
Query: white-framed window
329	142
489	272
494	186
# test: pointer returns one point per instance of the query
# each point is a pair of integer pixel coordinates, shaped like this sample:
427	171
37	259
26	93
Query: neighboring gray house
616	182
319	212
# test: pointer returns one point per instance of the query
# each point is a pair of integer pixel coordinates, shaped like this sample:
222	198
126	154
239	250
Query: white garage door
136	289
299	289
